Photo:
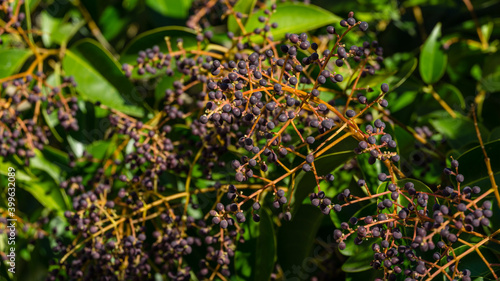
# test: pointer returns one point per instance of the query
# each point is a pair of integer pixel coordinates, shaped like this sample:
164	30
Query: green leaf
266	248
306	182
451	95
164	83
491	82
359	212
287	15
359	262
157	37
40	163
112	22
99	149
175	9
245	7
54	30
20	175
373	80
47	192
494	135
12	60
102	79
473	261
419	187
245	254
458	132
364	275
403	74
33	4
473	167
432	58
296	238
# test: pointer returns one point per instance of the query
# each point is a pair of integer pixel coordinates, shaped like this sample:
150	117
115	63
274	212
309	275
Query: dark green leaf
419	187
305	181
359	262
494	135
164	83
266	248
157	37
458	131
473	261
295	244
473	167
403	74
432	58
451	95
102	79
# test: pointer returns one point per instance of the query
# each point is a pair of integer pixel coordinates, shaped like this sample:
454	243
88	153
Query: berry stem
494	185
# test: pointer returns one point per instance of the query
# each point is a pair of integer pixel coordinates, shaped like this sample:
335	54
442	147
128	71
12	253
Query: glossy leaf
473	167
266	248
358	212
245	7
102	79
305	181
432	58
55	30
419	187
473	261
458	132
451	95
286	15
40	163
112	22
295	244
403	74
157	37
12	60
359	262
175	9
164	83
47	192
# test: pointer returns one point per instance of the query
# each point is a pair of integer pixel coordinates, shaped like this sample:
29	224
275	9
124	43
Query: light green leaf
39	162
287	15
47	192
12	60
55	30
112	22
245	7
171	8
432	58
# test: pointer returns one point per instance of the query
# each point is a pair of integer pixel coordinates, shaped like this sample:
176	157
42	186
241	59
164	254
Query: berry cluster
231	139
23	100
411	223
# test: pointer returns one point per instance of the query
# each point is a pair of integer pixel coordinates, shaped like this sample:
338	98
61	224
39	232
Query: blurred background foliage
434	50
